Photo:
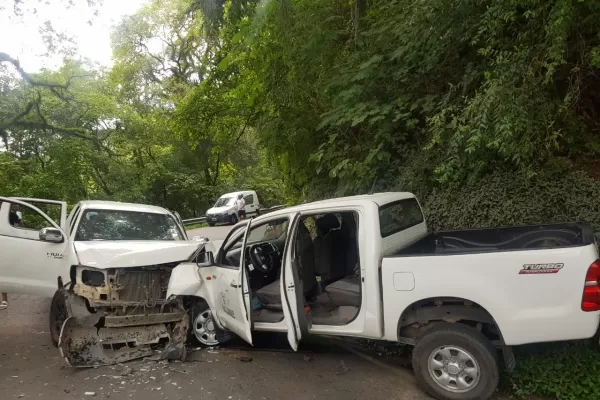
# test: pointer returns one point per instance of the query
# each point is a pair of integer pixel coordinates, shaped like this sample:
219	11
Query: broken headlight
93	278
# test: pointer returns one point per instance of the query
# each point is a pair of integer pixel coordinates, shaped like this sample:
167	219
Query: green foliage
133	133
507	198
559	371
303	99
355	87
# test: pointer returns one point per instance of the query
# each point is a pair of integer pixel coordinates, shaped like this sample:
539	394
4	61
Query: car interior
326	250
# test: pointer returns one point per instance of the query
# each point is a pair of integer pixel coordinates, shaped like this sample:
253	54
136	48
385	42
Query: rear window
399	215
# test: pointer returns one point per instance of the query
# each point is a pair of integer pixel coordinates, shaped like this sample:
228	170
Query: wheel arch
190	300
422	314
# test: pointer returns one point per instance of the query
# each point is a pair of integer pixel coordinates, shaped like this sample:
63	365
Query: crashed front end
120	314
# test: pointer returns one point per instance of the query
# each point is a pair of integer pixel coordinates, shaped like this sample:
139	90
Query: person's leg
4	301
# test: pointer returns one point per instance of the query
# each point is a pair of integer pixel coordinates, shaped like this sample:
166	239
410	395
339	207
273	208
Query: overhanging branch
28	78
10	122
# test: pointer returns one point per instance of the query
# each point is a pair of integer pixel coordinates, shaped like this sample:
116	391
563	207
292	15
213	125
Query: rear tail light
591	290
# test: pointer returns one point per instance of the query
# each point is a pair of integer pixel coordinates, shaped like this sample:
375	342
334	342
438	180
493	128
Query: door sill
271	326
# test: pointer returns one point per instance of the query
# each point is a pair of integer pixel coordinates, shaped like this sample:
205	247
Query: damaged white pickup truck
363	266
108	266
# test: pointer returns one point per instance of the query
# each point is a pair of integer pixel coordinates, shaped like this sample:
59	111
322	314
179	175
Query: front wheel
58	315
456	362
203	329
211	224
233	219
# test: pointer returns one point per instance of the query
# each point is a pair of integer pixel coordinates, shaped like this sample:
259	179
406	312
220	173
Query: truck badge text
551	268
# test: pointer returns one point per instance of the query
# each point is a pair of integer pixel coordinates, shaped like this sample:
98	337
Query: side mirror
205	259
52	235
199	239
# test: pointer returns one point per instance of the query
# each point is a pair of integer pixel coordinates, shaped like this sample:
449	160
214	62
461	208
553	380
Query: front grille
140	285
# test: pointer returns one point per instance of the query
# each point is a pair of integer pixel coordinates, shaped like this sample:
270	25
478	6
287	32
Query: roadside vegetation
487	110
557	371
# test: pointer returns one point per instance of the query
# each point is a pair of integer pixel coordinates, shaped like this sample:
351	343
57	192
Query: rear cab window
399	215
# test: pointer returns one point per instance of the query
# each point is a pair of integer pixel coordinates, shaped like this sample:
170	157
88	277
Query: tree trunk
360	10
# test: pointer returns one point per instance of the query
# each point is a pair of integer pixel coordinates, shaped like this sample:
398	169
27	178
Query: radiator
140	285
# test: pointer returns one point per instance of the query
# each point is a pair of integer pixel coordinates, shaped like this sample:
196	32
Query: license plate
214	219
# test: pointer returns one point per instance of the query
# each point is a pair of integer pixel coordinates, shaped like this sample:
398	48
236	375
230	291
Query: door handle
233	284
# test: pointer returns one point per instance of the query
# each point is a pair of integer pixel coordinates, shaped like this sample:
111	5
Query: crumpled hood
124	254
219	210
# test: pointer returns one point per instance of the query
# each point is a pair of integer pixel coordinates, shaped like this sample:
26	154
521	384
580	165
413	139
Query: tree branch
216	177
6	58
78	132
244	128
16	118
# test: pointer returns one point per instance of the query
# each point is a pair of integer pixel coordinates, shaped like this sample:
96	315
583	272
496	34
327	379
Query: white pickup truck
111	258
366	267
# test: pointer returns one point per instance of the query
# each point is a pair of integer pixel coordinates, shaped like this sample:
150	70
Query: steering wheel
260	259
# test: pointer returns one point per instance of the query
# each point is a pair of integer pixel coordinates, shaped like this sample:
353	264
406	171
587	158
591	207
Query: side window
249	199
270	231
23	217
310	223
24	222
399	215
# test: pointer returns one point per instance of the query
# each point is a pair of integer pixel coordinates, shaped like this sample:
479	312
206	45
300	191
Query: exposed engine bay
119	314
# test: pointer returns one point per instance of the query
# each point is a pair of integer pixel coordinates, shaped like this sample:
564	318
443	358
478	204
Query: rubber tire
55	305
467	338
211	224
233	219
199	307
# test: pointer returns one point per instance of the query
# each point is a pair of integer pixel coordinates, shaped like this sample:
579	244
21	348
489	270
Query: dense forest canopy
489	110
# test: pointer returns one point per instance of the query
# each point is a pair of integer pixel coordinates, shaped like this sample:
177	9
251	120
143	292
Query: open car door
60	220
34	248
232	296
292	293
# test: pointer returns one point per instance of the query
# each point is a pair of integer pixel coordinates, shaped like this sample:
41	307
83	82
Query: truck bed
501	239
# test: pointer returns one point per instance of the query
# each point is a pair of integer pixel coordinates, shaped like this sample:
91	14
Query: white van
225	210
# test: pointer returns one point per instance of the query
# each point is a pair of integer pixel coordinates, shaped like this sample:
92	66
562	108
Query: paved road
31	368
214	233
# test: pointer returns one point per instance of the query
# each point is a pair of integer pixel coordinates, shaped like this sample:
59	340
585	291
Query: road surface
31	368
214	233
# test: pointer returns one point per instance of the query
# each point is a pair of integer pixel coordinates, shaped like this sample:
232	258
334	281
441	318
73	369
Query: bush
562	371
505	198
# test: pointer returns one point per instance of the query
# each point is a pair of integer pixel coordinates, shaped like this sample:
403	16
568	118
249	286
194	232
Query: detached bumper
95	339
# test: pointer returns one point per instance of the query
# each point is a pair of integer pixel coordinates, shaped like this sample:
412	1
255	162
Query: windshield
225	201
126	225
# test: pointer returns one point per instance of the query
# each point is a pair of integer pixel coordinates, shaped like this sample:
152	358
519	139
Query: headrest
326	223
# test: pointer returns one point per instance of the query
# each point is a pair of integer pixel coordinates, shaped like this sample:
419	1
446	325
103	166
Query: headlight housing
92	277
